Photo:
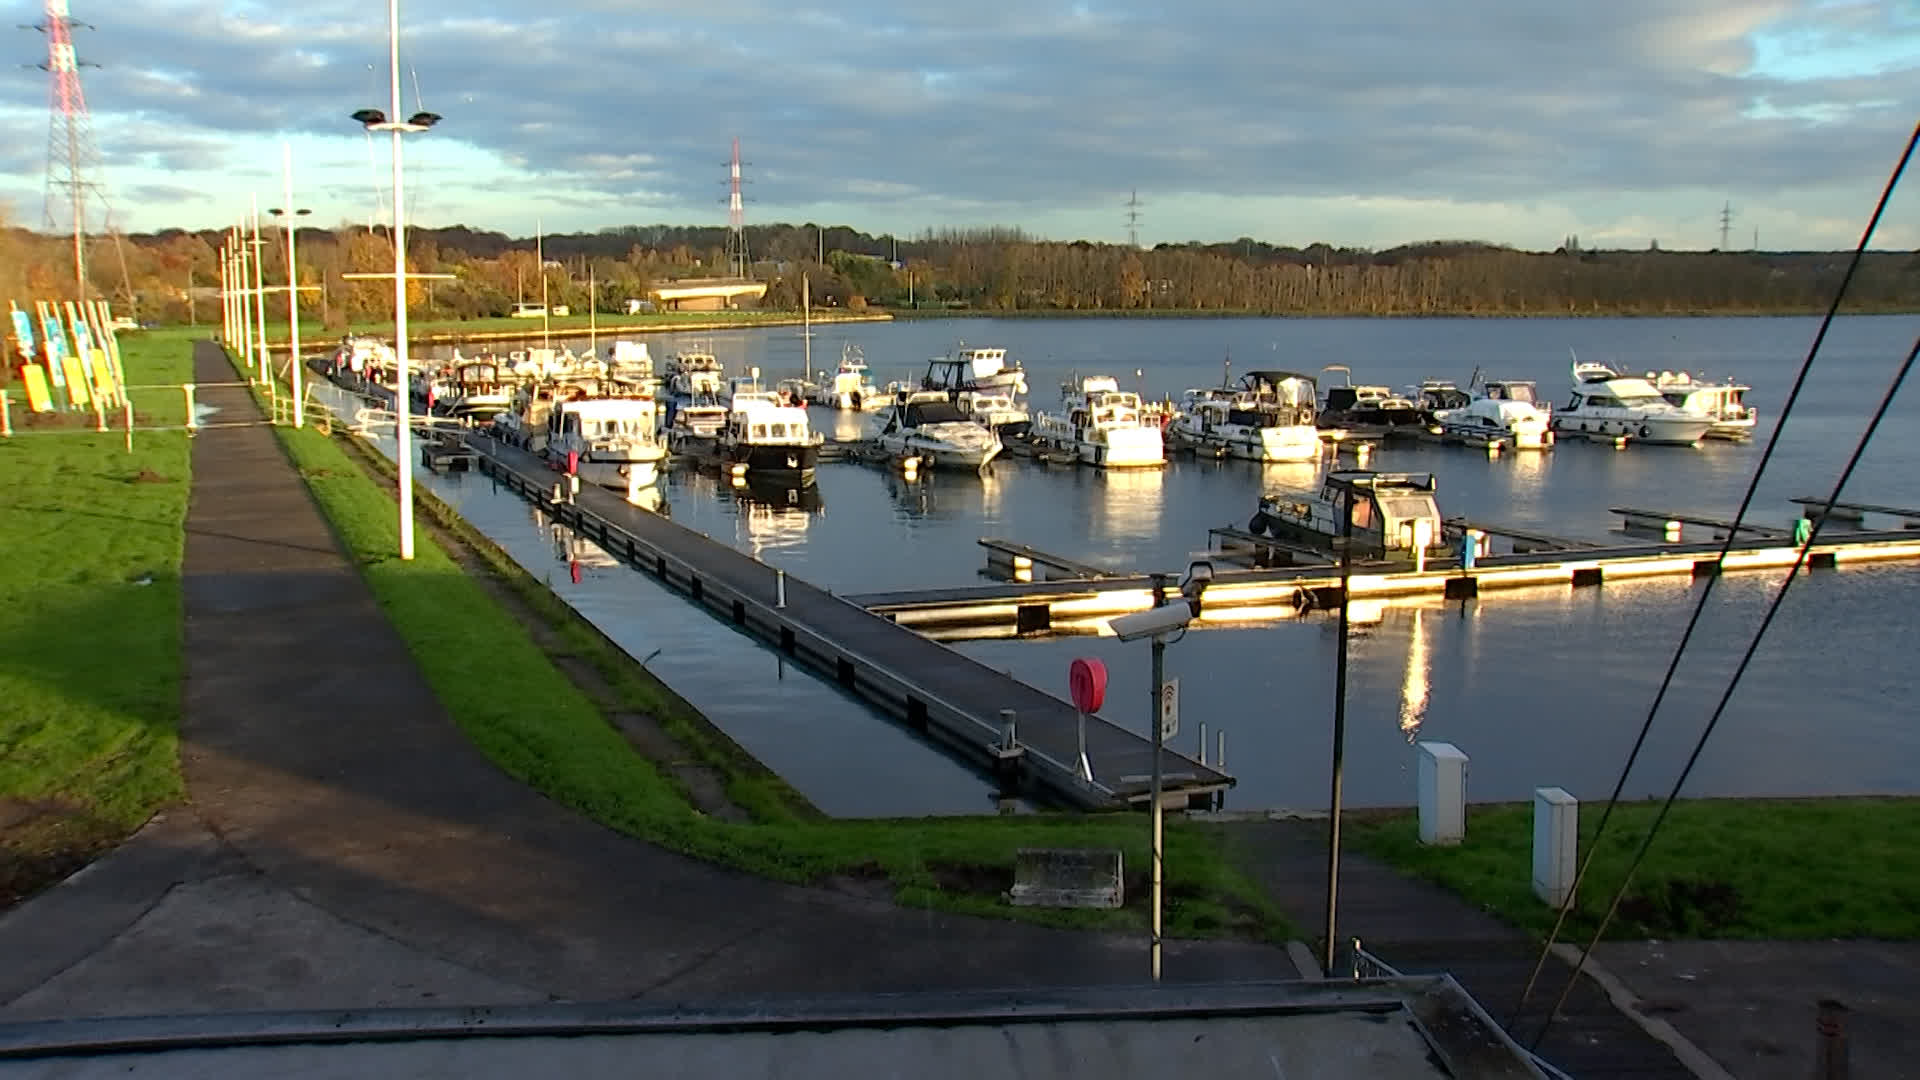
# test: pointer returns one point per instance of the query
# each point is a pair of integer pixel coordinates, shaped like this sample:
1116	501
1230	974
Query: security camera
1151	623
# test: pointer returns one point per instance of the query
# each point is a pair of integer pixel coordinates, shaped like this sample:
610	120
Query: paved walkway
327	787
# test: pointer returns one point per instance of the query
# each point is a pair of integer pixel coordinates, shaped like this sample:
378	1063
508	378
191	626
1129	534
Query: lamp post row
246	306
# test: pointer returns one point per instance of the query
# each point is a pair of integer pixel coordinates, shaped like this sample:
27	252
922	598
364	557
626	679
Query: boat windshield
933	412
614	426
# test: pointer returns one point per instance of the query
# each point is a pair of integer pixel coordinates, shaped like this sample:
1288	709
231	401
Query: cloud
1024	112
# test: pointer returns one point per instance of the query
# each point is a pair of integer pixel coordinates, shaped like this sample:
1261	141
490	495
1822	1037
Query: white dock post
1443	794
779	588
1203	742
193	422
1009	736
1220	750
1556	844
573	487
6	416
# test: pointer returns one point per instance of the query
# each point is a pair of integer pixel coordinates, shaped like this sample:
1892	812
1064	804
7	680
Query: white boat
1504	413
993	402
927	428
630	360
610	441
767	438
1608	405
1100	425
693	427
1394	514
362	357
1721	402
851	386
1268	417
696	372
1366	410
988	369
475	391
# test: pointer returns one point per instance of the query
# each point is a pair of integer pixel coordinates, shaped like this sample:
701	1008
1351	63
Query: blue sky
1368	122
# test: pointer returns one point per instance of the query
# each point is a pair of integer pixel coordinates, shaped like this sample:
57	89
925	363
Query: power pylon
1726	224
737	258
73	162
1133	218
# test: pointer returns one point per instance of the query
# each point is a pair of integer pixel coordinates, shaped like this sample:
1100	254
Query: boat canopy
922	413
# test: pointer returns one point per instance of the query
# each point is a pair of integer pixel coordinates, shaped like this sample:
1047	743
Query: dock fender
1257	525
1646	431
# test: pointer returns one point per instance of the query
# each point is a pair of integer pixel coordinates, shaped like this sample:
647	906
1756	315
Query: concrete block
1556	844
1067	877
1443	793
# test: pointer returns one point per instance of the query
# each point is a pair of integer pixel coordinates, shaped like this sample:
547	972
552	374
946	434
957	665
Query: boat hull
941	455
1654	431
773	459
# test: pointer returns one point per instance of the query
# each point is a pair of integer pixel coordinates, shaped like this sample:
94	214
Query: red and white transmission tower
737	260
73	162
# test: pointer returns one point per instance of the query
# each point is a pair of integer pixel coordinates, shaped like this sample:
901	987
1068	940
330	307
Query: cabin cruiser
1100	425
1268	417
1721	402
362	357
1503	413
767	437
475	391
1394	514
851	386
927	427
693	427
983	369
610	441
1609	405
696	372
1367	410
993	403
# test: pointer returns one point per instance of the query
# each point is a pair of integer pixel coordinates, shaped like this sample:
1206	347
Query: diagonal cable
1720	708
1693	621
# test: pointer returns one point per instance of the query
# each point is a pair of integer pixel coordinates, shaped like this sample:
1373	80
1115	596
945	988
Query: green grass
90	623
1722	868
508	696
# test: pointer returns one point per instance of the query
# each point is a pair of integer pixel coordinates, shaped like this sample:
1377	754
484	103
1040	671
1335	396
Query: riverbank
524	705
566	327
90	609
1780	869
905	314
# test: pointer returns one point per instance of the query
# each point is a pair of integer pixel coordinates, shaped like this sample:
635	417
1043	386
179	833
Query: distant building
708	294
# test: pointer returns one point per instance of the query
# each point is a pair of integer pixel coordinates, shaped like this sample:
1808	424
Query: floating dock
932	689
1277	590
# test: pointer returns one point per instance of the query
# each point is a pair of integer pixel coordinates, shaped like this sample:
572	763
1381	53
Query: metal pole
1830	1052
1339	734
193	423
806	323
226	301
246	299
1153	720
293	286
260	297
780	588
402	406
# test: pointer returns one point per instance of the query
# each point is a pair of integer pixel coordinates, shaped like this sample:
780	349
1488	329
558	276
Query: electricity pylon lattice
738	262
73	162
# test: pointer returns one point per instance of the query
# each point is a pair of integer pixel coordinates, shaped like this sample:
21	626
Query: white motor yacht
610	441
1608	405
1504	413
925	426
1268	417
852	386
1101	425
693	427
696	372
985	369
1721	402
475	391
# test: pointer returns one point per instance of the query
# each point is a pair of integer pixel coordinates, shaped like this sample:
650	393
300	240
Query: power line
1693	621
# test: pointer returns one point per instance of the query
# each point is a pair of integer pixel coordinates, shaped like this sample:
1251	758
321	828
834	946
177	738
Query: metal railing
1362	964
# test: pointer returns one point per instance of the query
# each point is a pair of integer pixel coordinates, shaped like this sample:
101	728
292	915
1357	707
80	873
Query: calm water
1539	687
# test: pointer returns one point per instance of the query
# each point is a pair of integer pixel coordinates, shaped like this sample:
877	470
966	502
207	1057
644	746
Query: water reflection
1414	687
773	517
1129	502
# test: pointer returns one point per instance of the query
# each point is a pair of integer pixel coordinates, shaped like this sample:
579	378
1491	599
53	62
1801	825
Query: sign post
1169	709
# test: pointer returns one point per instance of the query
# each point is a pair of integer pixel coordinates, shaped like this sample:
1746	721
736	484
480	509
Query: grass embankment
90	623
512	698
1720	868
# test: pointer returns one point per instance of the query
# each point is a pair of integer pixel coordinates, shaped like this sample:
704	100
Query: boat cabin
1393	514
1520	391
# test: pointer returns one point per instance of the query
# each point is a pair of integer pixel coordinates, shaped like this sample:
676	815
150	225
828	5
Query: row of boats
617	422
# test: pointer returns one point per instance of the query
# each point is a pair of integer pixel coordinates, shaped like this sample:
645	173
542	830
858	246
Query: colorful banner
103	324
82	341
56	343
22	332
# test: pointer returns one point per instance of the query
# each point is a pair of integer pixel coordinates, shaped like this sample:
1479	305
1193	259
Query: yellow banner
76	380
39	398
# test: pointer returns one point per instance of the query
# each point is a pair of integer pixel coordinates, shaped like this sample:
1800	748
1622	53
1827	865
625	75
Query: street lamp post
375	120
1338	765
287	213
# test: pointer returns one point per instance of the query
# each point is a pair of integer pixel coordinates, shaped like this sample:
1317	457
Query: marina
1551	524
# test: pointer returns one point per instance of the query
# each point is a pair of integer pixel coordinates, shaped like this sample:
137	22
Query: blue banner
23	334
56	344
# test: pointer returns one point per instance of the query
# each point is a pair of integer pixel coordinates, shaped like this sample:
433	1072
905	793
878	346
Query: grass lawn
1720	868
508	695
90	624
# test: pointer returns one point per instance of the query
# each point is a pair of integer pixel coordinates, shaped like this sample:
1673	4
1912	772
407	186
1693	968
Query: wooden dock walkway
1857	512
1020	562
931	688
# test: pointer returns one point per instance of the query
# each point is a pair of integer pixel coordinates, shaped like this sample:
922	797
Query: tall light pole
1157	722
1338	764
375	120
265	365
287	213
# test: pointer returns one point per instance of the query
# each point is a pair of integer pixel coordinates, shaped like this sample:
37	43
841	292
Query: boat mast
593	313
540	256
806	323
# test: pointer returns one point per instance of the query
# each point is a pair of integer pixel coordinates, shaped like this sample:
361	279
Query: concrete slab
1750	1004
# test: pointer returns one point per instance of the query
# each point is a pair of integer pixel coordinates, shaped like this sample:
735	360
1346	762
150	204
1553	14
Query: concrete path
346	846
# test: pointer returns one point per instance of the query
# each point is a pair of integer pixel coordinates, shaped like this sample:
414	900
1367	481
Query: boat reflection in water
1414	687
773	516
1130	502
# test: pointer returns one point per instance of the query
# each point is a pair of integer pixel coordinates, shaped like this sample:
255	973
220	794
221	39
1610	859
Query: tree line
174	275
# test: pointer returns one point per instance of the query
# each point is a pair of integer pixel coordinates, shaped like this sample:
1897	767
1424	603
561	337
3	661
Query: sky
1363	123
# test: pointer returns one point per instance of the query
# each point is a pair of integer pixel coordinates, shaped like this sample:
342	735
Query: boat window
1520	392
779	431
1405	509
759	431
1575	403
1675	398
1603	401
1363	514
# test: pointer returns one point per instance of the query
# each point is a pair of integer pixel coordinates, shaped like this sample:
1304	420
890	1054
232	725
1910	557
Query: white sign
1169	709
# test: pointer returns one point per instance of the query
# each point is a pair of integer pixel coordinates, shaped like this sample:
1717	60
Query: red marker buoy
1087	680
